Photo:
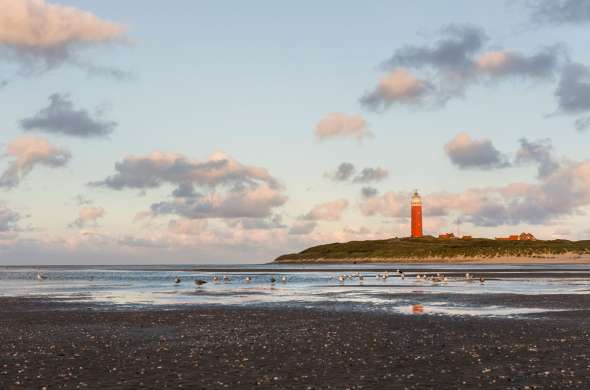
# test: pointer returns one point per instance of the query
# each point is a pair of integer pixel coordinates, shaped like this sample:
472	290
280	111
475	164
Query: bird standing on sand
200	282
284	279
226	279
177	280
481	280
341	278
248	279
272	279
216	279
40	276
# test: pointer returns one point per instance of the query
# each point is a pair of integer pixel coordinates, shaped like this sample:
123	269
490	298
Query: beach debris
481	280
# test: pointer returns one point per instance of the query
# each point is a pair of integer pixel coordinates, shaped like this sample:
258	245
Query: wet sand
72	345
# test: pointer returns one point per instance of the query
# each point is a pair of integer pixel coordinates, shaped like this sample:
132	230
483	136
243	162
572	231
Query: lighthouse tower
416	215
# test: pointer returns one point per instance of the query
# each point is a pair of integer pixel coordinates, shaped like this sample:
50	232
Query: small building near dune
466	238
446	236
518	237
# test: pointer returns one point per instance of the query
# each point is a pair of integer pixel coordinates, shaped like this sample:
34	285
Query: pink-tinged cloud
501	63
88	215
338	125
330	211
37	24
399	86
27	152
38	32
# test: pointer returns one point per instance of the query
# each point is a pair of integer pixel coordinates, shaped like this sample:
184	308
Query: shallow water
306	286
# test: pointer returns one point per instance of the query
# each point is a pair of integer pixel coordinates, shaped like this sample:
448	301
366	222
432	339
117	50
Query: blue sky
254	80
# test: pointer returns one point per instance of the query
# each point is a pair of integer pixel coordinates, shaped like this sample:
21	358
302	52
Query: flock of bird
434	278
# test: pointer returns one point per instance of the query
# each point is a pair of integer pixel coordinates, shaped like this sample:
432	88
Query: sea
310	286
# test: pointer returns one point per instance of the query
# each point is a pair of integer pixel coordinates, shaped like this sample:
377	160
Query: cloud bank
562	193
219	187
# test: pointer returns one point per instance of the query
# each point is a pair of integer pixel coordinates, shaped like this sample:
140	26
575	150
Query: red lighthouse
416	215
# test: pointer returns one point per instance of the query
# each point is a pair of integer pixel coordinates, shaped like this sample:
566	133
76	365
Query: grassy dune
434	248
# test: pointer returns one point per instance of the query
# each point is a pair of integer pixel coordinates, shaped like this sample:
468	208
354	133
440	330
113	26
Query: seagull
177	280
341	278
284	279
226	278
216	279
200	282
248	279
272	279
481	280
40	276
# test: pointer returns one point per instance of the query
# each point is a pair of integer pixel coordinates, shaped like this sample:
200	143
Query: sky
232	132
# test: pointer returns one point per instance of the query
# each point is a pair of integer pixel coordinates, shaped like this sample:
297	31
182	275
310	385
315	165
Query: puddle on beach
140	287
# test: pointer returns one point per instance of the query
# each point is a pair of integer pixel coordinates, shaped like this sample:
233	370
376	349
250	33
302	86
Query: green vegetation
430	247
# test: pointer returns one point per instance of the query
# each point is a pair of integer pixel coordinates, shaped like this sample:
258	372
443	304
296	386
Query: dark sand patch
238	348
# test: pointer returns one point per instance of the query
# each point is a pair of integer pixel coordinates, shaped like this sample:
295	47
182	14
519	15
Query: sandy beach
68	345
566	258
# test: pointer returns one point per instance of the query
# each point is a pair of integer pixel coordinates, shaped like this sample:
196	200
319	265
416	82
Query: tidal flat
68	344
